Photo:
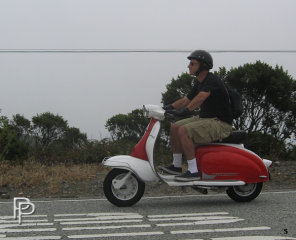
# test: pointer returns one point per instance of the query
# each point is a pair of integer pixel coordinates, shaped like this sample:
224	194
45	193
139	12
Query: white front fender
139	167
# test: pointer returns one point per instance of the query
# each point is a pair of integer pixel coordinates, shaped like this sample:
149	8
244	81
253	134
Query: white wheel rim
128	190
245	190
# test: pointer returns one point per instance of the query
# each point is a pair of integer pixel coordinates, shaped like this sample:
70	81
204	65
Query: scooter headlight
153	111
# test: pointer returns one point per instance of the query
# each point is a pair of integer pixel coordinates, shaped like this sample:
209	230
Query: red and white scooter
226	164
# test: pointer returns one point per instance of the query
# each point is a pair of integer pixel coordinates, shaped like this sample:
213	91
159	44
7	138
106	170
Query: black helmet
202	56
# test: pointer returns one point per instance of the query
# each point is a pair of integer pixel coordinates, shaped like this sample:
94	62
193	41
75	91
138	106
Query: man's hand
168	107
183	112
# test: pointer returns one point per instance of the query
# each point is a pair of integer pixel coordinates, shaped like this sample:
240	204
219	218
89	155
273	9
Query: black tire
245	193
128	194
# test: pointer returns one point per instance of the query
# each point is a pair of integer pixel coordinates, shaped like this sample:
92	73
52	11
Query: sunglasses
192	63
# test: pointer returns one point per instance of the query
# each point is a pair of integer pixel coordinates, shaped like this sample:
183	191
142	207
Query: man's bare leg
175	140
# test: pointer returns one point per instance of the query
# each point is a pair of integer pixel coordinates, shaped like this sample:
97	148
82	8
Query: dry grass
34	174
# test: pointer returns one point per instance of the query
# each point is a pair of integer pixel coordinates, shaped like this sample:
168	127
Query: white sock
192	166
177	162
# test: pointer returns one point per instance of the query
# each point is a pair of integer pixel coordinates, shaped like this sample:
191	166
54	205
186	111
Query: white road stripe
106	227
100	222
131	234
199	223
255	238
101	218
220	230
95	214
193	239
25	225
2	236
35	216
189	218
6	217
28	230
23	221
188	214
24	217
35	238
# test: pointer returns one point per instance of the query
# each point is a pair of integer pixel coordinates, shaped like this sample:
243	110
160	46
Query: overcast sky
88	88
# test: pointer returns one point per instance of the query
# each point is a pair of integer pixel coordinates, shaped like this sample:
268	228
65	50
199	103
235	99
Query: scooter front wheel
245	193
123	188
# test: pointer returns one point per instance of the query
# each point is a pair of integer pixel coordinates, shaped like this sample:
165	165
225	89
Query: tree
178	88
73	138
21	124
11	148
22	127
47	139
269	99
48	128
129	126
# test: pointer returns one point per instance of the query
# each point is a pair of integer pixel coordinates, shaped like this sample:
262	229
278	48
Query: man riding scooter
214	120
225	165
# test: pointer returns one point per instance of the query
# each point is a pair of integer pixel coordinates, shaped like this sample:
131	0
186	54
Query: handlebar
157	112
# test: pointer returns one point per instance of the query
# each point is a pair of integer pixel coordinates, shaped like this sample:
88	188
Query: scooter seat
235	137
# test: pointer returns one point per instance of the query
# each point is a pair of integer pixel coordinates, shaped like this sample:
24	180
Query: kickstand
201	190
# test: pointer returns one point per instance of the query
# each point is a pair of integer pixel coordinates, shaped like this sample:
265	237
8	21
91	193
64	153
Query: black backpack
235	101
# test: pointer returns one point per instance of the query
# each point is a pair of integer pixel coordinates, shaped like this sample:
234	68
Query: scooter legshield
225	162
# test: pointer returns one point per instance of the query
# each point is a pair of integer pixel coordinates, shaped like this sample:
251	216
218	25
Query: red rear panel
221	162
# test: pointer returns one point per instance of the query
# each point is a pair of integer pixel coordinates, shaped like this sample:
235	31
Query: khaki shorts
205	130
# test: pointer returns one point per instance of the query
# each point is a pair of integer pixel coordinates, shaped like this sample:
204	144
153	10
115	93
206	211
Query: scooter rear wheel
245	193
127	195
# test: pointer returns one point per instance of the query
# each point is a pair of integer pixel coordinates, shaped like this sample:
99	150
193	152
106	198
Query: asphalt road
271	216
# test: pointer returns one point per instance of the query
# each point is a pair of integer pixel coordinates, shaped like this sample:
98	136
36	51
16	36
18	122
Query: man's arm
197	100
181	103
183	107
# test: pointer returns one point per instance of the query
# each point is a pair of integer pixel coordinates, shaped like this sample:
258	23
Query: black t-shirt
217	104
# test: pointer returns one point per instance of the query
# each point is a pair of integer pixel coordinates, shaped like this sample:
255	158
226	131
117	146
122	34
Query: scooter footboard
139	167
